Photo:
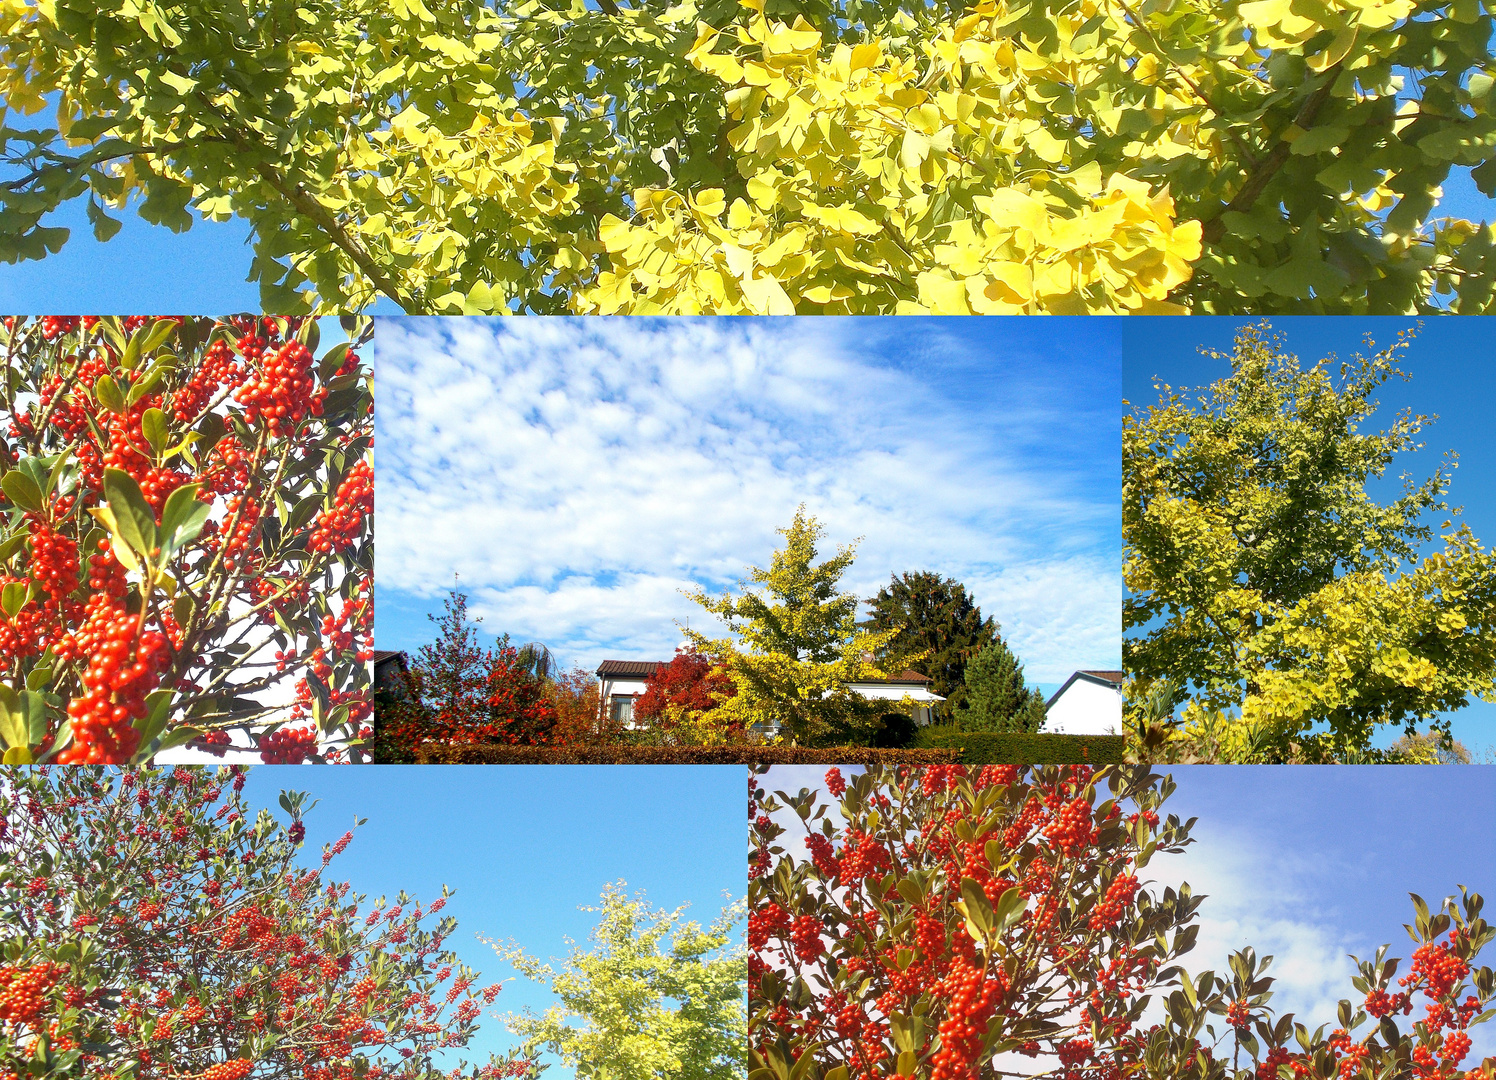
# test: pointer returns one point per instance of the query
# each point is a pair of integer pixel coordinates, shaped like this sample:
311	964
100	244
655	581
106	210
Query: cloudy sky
576	475
1309	864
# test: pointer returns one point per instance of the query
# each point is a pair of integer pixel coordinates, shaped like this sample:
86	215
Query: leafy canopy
804	646
656	996
1261	574
773	156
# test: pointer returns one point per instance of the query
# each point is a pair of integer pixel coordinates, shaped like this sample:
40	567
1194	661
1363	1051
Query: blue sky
523	847
576	474
1311	863
1450	377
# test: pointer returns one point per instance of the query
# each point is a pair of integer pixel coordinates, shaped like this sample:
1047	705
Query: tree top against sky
1262	574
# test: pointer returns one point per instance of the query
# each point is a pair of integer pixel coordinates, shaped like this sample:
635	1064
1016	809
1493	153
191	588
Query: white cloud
576	474
1265	899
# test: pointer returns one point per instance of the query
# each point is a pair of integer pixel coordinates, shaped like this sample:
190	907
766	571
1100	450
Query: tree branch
297	196
1268	167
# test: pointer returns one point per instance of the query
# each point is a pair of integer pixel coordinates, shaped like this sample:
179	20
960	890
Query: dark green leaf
153	426
133	516
108	393
22	490
183	517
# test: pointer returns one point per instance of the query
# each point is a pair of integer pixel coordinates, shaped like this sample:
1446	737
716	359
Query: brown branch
297	196
1268	167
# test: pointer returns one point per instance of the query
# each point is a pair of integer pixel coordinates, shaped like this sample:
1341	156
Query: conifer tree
938	631
998	700
454	668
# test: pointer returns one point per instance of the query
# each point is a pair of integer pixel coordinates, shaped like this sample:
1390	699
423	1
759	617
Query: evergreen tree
998	700
454	669
938	631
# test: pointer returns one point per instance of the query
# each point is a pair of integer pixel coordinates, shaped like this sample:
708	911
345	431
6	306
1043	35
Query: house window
623	710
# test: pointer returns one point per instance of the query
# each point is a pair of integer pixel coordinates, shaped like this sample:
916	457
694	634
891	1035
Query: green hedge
1025	748
490	754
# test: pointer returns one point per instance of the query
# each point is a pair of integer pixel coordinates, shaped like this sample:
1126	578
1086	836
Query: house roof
636	668
381	655
906	677
1116	678
1110	679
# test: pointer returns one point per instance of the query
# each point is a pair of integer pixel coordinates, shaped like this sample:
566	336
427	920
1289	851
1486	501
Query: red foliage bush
156	927
691	680
944	919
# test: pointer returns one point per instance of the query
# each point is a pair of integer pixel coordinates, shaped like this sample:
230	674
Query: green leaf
160	330
1010	908
332	361
181	610
15	730
303	512
104	226
1318	140
18	755
153	426
183	517
978	908
13	598
12	544
179	736
158	702
134	520
122	551
22	490
145	384
108	393
34	708
131	356
309	333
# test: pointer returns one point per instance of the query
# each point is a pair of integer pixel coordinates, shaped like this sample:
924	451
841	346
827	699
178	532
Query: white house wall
1085	708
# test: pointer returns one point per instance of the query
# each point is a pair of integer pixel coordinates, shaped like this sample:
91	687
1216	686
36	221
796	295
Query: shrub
186	536
1022	747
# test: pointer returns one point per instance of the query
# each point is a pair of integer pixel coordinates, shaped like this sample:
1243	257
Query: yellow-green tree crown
803	644
1262	576
773	156
656	995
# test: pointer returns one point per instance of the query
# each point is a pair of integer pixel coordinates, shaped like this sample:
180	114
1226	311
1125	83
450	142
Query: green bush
1022	748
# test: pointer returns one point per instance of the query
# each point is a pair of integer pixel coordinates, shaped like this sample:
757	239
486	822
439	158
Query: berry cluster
288	746
234	1069
125	664
24	991
109	630
284	391
340	524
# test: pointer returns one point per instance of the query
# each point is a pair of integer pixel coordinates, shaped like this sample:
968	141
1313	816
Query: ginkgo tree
772	156
1264	577
795	648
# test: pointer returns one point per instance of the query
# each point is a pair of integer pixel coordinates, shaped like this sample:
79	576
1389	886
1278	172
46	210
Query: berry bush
964	923
185	536
154	927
